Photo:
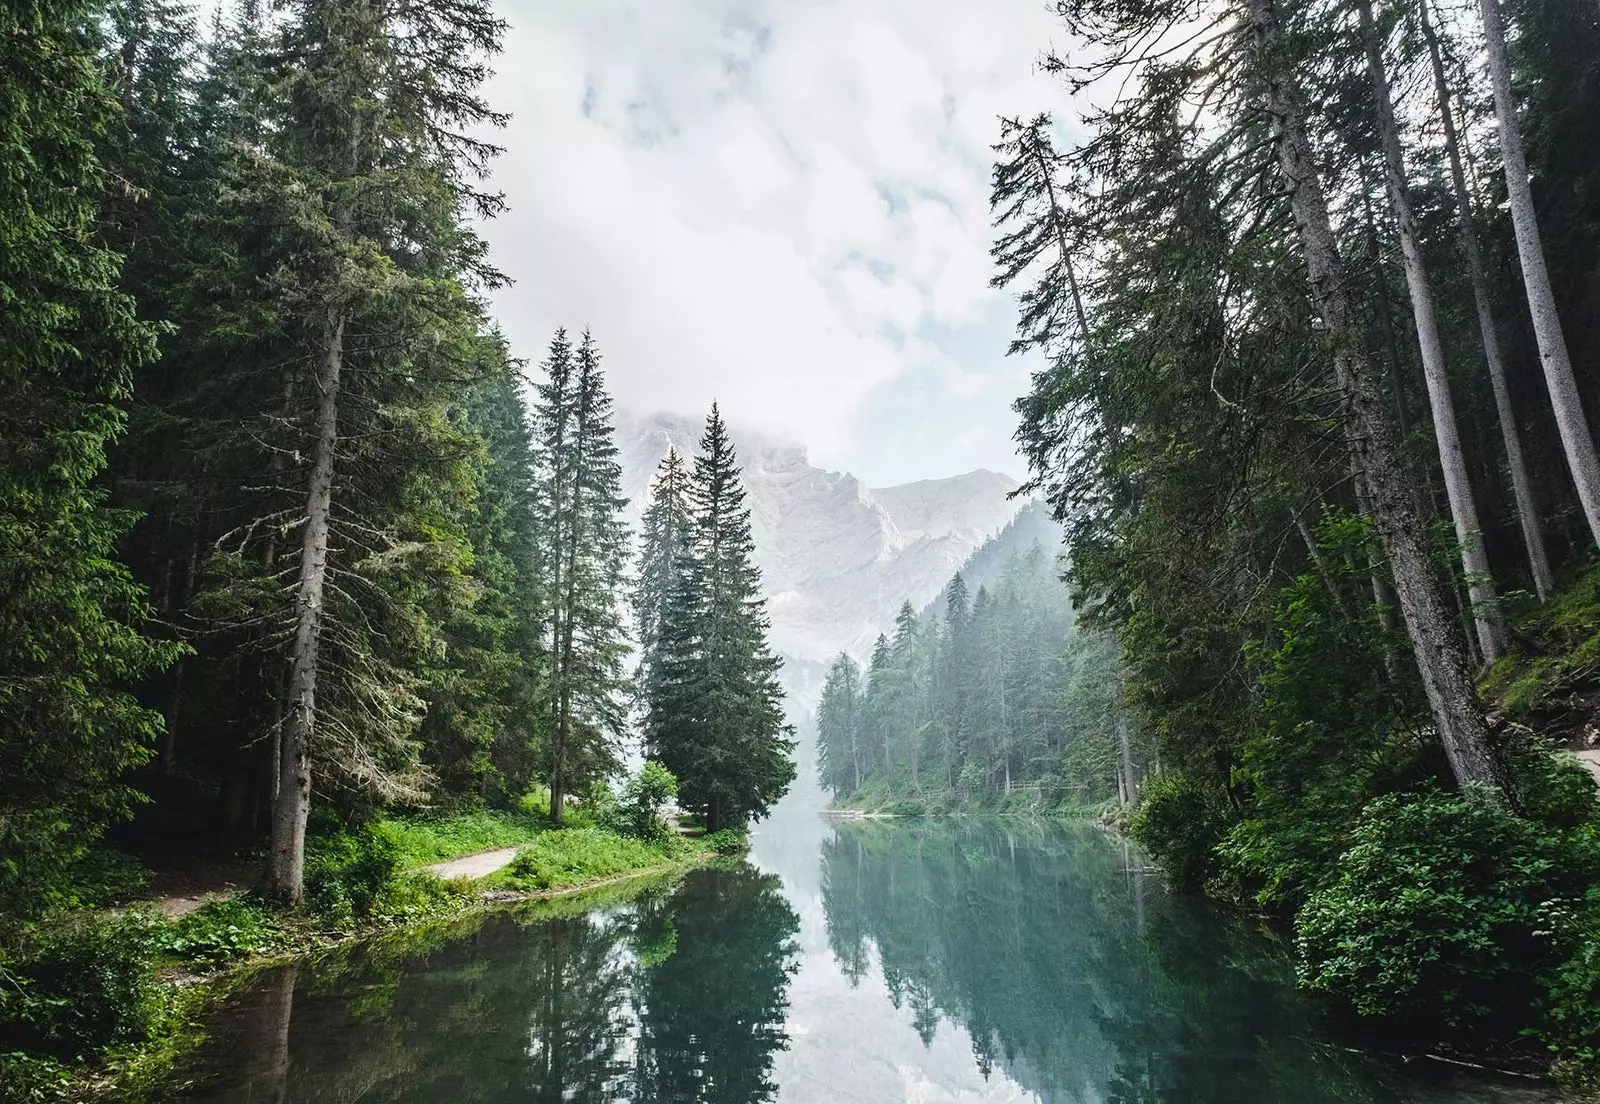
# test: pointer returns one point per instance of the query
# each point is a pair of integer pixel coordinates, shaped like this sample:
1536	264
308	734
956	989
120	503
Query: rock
837	557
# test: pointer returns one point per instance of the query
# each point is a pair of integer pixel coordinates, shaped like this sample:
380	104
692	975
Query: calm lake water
873	962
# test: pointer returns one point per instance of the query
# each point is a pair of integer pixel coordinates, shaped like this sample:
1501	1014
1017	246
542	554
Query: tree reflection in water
678	995
1075	973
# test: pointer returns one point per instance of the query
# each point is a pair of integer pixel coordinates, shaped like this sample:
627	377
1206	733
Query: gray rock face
837	557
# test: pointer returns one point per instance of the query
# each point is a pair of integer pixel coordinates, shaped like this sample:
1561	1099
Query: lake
861	961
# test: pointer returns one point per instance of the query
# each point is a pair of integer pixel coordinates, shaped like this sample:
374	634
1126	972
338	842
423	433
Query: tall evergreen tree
374	155
667	545
839	729
70	616
585	558
719	705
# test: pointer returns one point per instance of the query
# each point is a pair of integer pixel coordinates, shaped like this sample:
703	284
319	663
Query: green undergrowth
93	997
573	856
1555	654
420	841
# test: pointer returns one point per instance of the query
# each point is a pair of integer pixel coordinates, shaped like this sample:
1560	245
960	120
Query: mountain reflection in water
915	961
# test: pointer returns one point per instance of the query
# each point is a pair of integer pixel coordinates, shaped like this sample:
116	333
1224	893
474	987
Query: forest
992	701
1312	285
291	541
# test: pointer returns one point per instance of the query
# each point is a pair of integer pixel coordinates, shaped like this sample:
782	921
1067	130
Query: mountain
837	557
1032	525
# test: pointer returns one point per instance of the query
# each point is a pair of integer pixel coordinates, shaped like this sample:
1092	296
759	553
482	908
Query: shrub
1177	825
1447	911
224	930
86	985
347	871
643	798
413	896
727	841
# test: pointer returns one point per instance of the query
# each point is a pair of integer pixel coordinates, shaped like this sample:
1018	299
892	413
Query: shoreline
130	1073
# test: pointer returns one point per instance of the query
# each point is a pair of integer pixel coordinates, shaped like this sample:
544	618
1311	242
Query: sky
779	204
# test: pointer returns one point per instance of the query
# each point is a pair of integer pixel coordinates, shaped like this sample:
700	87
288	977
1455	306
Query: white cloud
770	202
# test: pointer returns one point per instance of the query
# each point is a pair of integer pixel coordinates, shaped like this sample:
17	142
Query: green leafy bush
85	985
347	871
1448	912
222	931
414	896
643	798
1177	825
727	841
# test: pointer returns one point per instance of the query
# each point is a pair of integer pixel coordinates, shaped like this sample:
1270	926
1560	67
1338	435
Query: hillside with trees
995	700
1314	295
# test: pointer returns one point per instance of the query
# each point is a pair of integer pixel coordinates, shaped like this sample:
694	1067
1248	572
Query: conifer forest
313	579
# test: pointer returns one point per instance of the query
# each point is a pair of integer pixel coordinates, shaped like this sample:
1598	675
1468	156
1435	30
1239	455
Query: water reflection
931	962
676	996
1077	977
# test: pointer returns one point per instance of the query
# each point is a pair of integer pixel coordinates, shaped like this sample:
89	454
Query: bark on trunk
286	863
1489	333
1125	752
1436	641
1452	461
1576	438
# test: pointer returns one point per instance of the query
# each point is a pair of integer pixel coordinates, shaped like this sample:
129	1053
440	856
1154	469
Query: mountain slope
837	557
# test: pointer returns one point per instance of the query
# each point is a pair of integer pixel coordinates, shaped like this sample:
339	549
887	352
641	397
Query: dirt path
480	865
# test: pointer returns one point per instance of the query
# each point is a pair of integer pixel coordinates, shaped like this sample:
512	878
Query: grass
573	856
424	840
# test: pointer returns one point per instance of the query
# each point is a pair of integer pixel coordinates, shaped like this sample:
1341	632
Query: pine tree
585	559
839	729
70	616
720	726
668	535
373	161
483	727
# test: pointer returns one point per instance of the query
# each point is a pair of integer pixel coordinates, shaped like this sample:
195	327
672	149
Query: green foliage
727	841
71	616
348	871
1178	824
419	841
82	986
575	855
222	931
1446	913
643	798
714	706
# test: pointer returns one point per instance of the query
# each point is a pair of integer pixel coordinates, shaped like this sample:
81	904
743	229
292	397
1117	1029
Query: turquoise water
918	962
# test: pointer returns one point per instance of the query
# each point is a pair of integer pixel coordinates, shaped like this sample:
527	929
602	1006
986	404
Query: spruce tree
70	616
585	561
667	544
720	725
839	732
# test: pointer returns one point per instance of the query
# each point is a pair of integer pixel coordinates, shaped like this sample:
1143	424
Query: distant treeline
996	694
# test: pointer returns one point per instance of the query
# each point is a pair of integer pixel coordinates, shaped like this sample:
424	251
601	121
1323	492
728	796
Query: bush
85	986
727	841
1446	911
643	798
347	872
225	930
1177	825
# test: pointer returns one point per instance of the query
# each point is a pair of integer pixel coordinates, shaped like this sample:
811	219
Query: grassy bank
103	999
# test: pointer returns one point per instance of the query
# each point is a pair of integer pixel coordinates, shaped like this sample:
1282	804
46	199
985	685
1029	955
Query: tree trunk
1576	438
1125	753
1452	461
286	863
1516	461
1436	641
